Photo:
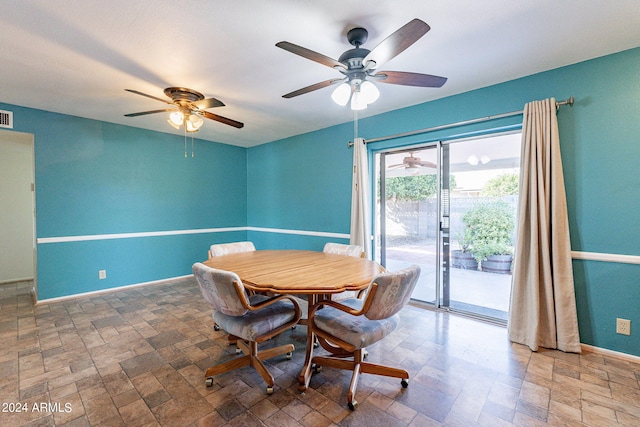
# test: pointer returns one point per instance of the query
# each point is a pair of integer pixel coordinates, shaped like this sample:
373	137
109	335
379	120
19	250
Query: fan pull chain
185	142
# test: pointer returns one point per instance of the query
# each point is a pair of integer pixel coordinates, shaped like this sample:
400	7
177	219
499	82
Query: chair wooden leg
259	366
275	351
351	395
387	371
228	366
264	373
252	357
332	362
357	366
243	346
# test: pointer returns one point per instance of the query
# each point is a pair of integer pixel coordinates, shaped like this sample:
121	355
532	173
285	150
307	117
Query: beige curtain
360	199
543	306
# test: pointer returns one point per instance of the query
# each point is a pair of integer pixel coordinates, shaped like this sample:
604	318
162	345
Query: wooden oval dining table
299	272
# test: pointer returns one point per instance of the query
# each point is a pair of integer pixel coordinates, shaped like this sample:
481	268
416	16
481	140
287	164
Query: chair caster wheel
269	390
317	369
208	382
315	344
216	327
353	405
405	383
288	356
238	350
365	353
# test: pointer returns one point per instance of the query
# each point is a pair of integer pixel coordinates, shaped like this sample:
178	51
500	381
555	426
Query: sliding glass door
407	215
448	207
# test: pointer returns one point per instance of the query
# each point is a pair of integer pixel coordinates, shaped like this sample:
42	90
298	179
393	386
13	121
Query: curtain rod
568	102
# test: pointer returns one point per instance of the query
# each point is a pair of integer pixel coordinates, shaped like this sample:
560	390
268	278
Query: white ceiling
77	56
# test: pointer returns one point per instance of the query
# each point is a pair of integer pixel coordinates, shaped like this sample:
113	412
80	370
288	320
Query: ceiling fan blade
312	87
143	113
398	166
426	164
310	54
149	96
397	42
208	103
409	79
221	119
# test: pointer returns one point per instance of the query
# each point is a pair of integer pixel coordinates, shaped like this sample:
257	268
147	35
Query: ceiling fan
413	164
359	66
188	108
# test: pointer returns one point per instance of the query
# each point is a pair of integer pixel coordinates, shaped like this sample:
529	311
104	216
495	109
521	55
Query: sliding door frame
442	271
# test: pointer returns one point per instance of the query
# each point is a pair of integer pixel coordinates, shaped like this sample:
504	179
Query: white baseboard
109	290
610	353
7	282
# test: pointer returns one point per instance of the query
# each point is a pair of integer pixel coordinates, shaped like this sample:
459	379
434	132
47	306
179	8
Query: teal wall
303	183
300	183
97	179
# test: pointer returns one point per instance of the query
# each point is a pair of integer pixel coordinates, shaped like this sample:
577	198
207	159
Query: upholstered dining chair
345	328
253	319
341	249
219	249
230	248
349	250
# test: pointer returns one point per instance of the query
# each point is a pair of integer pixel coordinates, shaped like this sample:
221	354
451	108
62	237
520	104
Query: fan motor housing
183	94
352	58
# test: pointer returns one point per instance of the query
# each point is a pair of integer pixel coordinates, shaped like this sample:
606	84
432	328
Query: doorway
17	208
438	201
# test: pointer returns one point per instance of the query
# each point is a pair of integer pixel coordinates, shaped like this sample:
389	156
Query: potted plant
463	258
489	226
495	257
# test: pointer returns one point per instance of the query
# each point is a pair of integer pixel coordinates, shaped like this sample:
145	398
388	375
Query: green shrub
488	229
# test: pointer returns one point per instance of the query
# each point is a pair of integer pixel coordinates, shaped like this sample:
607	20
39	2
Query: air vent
6	119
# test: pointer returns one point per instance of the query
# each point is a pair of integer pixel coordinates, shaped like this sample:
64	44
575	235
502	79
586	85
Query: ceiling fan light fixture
176	119
190	109
359	64
194	121
413	170
341	94
369	92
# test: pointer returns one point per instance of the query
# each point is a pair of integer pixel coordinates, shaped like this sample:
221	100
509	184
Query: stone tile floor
136	357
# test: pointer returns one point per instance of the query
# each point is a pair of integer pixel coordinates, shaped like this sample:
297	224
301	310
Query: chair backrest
340	249
219	290
393	292
231	248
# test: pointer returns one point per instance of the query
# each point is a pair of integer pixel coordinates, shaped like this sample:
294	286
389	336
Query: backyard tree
502	185
413	188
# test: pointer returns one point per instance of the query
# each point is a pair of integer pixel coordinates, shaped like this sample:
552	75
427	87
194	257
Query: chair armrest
240	290
365	306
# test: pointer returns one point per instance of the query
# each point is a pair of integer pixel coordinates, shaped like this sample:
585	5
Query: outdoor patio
477	292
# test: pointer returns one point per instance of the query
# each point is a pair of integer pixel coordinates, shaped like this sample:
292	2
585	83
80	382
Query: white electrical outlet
623	326
102	274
